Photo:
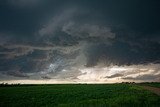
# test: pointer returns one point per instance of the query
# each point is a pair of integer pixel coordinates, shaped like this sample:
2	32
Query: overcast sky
59	41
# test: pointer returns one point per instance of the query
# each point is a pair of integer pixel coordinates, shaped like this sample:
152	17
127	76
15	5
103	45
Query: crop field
77	95
154	84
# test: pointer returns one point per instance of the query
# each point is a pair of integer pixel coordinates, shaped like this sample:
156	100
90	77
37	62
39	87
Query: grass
152	84
77	95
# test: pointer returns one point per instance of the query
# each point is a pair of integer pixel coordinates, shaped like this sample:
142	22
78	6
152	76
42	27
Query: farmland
154	84
77	95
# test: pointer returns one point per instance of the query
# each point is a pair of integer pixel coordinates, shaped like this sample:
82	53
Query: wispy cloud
58	20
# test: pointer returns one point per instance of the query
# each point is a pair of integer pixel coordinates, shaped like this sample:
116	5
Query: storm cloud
64	40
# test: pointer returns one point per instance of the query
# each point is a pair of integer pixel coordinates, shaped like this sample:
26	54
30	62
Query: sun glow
115	73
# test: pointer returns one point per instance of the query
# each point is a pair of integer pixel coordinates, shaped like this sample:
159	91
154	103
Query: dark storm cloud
17	74
52	36
22	3
121	53
45	77
115	75
145	77
12	53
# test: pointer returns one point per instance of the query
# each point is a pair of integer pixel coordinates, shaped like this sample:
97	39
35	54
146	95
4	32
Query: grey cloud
88	31
56	22
145	77
37	58
65	30
45	77
12	53
45	47
4	38
115	75
71	73
16	73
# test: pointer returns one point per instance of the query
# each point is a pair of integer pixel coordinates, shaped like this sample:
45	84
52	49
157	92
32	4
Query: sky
79	41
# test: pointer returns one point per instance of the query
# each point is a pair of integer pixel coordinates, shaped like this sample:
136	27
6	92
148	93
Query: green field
77	95
153	84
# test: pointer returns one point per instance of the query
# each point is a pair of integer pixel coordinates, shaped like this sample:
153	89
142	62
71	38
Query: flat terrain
154	84
78	95
152	89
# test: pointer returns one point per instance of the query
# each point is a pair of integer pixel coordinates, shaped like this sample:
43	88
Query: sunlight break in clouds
118	73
